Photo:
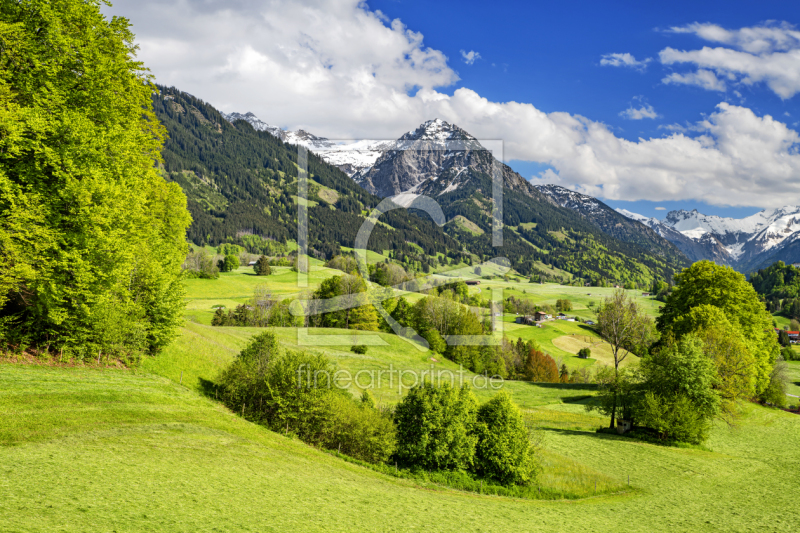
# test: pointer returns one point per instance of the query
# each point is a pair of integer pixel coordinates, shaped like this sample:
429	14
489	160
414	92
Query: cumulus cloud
643	111
624	60
470	57
768	54
702	78
338	69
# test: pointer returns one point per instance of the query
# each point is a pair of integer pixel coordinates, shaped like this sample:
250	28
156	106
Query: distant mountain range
746	244
419	163
442	161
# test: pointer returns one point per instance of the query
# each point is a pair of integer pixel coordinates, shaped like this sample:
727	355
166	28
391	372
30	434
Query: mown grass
115	450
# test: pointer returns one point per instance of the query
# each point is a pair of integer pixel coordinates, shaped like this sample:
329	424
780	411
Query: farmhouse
794	336
473	282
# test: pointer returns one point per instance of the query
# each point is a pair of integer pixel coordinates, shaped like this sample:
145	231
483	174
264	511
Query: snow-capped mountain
744	243
351	156
422	155
254	121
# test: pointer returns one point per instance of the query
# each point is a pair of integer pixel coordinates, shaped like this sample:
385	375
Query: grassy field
119	450
558	338
116	450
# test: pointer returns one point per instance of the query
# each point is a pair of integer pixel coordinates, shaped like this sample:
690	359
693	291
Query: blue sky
549	53
642	104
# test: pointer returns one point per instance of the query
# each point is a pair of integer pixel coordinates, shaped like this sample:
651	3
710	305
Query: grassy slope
114	450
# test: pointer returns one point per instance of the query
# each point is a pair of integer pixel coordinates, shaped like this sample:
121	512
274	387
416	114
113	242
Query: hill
117	450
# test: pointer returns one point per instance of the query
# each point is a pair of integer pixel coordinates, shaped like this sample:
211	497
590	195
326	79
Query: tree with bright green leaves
229	263
436	427
503	451
91	236
262	267
681	395
626	327
706	283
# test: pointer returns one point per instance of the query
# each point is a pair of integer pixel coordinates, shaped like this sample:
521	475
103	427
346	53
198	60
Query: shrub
359	348
503	450
541	367
229	263
262	267
359	430
435	427
584	353
673	418
775	393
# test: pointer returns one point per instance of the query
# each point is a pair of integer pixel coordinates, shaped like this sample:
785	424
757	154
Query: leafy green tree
775	392
87	223
262	267
673	417
435	341
436	427
503	451
683	373
229	263
563	305
626	327
706	283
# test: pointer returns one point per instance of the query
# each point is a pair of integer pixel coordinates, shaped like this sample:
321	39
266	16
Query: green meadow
107	449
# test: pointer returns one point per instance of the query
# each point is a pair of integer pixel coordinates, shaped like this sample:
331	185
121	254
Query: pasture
118	450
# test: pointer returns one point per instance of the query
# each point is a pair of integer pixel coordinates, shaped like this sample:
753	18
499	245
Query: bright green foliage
563	305
350	291
734	363
91	237
360	349
435	427
706	283
262	267
229	263
674	418
435	341
775	392
359	430
683	372
293	392
503	451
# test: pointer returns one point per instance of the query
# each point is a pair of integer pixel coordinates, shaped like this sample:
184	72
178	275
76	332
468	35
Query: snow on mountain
634	216
571	199
258	124
744	240
435	150
350	156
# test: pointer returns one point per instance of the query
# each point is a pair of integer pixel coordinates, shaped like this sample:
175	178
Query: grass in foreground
94	450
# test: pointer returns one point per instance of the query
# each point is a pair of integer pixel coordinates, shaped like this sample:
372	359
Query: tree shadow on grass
209	389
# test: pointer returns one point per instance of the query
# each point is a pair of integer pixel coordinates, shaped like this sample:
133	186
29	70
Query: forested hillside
243	183
242	187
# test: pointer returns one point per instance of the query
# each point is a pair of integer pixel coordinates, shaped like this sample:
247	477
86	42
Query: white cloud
702	78
624	60
470	57
306	65
660	208
768	54
643	111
